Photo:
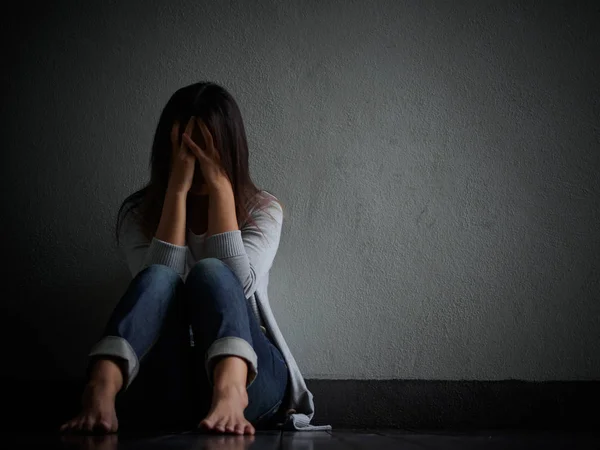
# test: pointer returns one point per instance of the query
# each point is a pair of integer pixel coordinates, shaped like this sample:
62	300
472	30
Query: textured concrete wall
439	163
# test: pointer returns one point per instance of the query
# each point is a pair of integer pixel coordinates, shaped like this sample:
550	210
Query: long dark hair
221	114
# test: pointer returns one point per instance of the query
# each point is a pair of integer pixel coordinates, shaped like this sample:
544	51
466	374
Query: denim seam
270	412
150	347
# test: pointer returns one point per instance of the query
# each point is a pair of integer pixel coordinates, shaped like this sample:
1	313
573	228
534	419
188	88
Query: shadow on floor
317	440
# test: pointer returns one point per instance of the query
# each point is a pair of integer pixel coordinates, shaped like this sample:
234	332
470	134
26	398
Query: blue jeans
177	331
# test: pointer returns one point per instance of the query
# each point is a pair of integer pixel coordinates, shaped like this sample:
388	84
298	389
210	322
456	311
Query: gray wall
439	164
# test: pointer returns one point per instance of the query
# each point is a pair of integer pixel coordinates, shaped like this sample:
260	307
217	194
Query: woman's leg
245	377
145	339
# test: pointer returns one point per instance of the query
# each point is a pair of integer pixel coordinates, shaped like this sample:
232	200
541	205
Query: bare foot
98	412
226	413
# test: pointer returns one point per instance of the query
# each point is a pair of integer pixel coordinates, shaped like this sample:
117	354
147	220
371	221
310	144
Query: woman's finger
194	147
190	125
188	129
207	137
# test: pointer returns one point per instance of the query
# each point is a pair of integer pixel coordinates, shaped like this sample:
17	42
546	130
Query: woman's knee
207	271
161	280
160	274
147	299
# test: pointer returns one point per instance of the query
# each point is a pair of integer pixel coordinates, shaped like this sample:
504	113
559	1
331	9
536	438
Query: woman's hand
182	161
208	158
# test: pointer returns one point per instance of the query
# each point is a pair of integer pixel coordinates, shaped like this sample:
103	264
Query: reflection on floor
337	439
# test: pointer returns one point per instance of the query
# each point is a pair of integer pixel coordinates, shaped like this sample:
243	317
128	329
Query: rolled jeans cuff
118	347
235	346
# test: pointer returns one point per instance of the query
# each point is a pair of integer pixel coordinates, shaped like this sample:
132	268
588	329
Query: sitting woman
193	343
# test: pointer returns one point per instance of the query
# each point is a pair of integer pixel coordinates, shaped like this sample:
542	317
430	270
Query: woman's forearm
172	225
221	210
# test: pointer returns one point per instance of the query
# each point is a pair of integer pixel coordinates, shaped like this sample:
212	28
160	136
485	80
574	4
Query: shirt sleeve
139	252
247	252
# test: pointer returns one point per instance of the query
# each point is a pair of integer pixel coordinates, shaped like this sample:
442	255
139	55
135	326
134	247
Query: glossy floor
321	440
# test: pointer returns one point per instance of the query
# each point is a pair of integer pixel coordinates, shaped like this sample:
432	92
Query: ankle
224	390
106	375
104	386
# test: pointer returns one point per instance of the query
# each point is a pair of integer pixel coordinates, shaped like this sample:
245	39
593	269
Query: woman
194	328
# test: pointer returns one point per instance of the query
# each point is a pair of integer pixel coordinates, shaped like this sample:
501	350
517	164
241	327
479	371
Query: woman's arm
171	227
248	252
167	247
221	210
164	248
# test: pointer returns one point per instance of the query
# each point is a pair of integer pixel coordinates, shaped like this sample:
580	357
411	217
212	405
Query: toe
70	424
230	427
103	426
88	424
249	428
206	424
220	426
239	428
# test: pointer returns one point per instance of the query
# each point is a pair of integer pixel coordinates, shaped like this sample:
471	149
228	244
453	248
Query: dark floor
337	439
382	408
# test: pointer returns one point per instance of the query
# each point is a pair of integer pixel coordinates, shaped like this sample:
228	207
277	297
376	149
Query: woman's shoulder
131	204
264	201
129	212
